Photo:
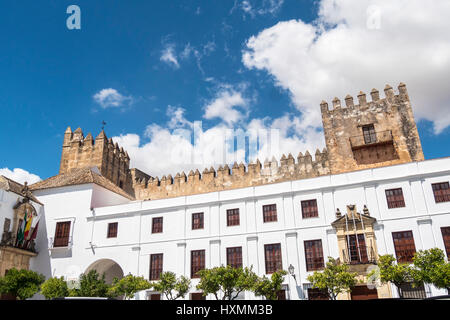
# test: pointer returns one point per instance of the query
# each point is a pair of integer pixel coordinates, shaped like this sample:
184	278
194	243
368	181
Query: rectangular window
314	255
446	237
272	255
112	230
357	249
404	246
281	294
309	209
157	225
317	294
62	234
394	198
155	296
197	262
234	257
156	266
270	213
197	296
197	220
441	192
232	217
369	134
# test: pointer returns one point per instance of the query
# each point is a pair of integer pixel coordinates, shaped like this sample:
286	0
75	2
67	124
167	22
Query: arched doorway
109	267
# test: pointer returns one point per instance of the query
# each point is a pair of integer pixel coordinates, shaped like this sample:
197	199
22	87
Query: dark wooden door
363	293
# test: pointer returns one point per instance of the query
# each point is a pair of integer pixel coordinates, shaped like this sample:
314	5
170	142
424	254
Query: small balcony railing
372	139
60	243
366	255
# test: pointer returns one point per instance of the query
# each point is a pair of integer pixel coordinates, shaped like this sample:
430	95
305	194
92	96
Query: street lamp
291	270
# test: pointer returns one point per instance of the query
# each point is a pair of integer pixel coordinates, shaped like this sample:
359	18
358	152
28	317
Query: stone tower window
369	134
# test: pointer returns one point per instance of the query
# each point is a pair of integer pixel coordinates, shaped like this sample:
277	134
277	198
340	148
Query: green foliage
334	279
429	266
268	288
54	288
91	285
172	287
228	280
21	283
390	271
128	286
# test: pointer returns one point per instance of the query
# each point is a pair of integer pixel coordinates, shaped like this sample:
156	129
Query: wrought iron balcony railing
366	255
372	139
60	243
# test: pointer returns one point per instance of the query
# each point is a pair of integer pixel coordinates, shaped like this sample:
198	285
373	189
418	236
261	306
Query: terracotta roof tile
13	186
79	176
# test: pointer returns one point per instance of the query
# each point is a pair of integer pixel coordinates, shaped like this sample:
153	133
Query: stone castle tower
82	152
381	132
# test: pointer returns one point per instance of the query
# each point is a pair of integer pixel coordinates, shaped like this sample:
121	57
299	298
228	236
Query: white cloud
111	98
168	56
189	146
359	45
259	7
20	175
229	105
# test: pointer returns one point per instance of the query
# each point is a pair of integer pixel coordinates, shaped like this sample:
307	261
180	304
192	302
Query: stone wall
11	257
239	176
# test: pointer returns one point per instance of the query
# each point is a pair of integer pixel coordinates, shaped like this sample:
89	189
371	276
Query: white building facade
118	236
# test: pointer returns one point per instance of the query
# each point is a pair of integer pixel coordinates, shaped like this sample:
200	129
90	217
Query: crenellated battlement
81	152
238	176
390	99
359	133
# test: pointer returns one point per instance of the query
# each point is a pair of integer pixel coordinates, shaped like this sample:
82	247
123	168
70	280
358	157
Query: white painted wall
135	242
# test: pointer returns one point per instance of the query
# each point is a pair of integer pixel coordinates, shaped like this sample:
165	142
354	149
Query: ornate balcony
362	141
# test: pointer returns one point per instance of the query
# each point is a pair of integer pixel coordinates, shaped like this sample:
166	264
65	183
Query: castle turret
111	160
371	134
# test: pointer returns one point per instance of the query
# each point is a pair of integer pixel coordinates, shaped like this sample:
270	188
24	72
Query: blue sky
164	64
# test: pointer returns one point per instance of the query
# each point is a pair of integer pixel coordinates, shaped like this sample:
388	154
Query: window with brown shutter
155	296
112	230
270	213
197	220
404	246
395	198
232	217
317	294
309	208
281	294
197	296
197	262
314	255
272	255
156	266
234	257
62	234
157	225
441	192
446	237
357	249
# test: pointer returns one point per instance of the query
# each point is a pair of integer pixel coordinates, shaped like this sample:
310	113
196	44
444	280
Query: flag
20	234
33	234
29	220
